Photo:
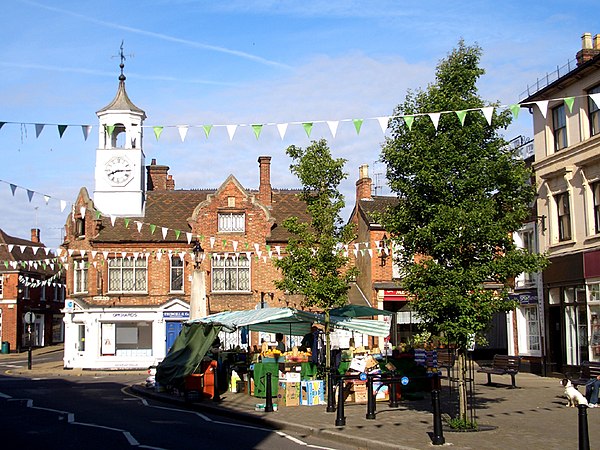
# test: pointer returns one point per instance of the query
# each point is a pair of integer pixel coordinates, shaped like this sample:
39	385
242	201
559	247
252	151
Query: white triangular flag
82	211
183	129
164	232
488	112
383	123
113	219
282	128
158	255
46	199
63	205
189	237
596	98
333	126
139	226
543	106
94	253
231	131
86	131
435	118
212	241
105	254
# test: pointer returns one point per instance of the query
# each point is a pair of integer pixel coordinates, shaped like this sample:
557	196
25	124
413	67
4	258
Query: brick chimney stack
35	235
364	183
265	192
590	48
158	178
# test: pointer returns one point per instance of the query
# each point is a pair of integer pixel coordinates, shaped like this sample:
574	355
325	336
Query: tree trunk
462	385
327	349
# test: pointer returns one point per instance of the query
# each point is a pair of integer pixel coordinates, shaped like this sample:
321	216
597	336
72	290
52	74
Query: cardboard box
313	393
360	396
293	377
288	393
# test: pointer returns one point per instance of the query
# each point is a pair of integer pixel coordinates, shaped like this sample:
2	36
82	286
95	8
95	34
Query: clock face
118	169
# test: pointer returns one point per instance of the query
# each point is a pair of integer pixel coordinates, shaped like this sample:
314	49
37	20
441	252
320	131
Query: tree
314	265
462	192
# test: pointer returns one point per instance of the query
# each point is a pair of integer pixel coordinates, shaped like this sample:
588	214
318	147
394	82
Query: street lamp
198	307
197	254
384	250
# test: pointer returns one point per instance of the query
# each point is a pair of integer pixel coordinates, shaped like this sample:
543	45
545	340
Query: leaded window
127	275
231	273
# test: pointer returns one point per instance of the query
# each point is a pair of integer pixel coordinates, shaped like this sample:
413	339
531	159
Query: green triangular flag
110	129
126	220
569	101
6	264
207	129
257	129
157	131
408	120
224	242
515	110
268	247
61	130
177	233
152	228
461	116
98	215
307	127
357	124
44	265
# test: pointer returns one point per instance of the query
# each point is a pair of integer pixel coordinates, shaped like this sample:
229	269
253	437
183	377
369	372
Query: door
173	329
555	344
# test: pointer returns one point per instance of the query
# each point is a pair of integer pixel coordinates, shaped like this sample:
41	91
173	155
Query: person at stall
280	343
309	339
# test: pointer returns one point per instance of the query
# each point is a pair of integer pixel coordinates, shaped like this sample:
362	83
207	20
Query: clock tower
120	177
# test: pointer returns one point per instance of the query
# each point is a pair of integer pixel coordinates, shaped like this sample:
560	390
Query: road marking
144	402
4	395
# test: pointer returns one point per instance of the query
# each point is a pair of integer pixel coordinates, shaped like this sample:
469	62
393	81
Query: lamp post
198	296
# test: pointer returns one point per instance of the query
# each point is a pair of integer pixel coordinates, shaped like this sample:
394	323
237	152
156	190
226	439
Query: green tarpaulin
187	352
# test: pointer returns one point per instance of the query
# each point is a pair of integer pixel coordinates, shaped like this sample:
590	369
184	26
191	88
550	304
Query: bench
589	370
503	365
445	360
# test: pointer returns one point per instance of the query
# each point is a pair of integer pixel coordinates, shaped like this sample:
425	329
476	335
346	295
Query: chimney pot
586	41
363	184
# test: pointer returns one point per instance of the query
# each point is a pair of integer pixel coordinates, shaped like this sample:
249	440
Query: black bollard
217	396
269	395
370	399
330	394
340	420
584	438
438	433
393	396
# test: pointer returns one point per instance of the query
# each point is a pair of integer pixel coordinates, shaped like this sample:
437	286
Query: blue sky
242	62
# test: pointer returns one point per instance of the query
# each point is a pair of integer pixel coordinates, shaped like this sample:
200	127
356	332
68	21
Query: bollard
393	395
217	395
370	399
330	393
340	420
438	433
269	395
584	439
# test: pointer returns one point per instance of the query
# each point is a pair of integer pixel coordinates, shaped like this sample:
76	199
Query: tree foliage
462	192
314	265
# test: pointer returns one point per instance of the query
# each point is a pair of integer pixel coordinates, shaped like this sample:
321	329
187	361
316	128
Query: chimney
590	48
35	235
264	188
158	178
363	184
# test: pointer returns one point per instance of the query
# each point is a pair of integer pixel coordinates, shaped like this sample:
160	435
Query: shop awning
291	321
359	311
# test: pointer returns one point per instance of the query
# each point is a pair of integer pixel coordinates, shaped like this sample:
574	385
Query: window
564	216
232	222
176	274
594	112
127	275
525	239
80	227
596	195
559	125
231	273
80	277
531	324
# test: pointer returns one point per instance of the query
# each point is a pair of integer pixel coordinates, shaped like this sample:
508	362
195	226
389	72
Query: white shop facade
120	338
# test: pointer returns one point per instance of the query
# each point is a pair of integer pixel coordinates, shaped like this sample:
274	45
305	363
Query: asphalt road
100	413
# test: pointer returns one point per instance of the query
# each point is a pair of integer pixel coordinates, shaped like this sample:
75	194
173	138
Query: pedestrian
280	344
592	389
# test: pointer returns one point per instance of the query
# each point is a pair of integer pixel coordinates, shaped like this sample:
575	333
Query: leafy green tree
314	264
462	192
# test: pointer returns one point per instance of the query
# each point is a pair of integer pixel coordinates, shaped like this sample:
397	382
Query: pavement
533	416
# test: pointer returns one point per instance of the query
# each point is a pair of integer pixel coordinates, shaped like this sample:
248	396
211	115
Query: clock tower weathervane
119	174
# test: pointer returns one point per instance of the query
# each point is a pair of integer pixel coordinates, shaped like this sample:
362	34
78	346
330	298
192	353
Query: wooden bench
503	365
589	370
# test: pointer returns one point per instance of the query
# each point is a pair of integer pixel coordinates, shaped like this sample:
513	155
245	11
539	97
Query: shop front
118	337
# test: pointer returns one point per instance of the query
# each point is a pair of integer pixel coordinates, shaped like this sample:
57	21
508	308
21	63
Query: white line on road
4	395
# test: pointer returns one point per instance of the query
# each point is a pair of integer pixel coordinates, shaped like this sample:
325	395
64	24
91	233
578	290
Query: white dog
574	397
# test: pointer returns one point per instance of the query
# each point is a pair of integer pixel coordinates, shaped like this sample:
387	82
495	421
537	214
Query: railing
550	78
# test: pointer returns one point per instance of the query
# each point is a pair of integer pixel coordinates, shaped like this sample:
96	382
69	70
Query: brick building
30	281
132	267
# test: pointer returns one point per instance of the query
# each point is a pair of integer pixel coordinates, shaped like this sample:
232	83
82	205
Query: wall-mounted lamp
385	250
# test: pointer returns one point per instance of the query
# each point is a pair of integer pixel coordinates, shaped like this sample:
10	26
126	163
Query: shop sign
176	314
525	299
395	295
124	314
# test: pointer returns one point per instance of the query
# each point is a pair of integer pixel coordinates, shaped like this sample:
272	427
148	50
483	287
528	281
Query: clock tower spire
119	175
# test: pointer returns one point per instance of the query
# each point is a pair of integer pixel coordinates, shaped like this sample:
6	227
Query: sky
193	62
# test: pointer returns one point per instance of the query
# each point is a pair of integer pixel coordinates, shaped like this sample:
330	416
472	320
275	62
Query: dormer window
80	227
232	222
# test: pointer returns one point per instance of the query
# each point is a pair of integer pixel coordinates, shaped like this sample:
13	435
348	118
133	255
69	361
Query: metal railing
550	78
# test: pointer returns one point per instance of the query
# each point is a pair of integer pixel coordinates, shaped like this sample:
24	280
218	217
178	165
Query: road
100	413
